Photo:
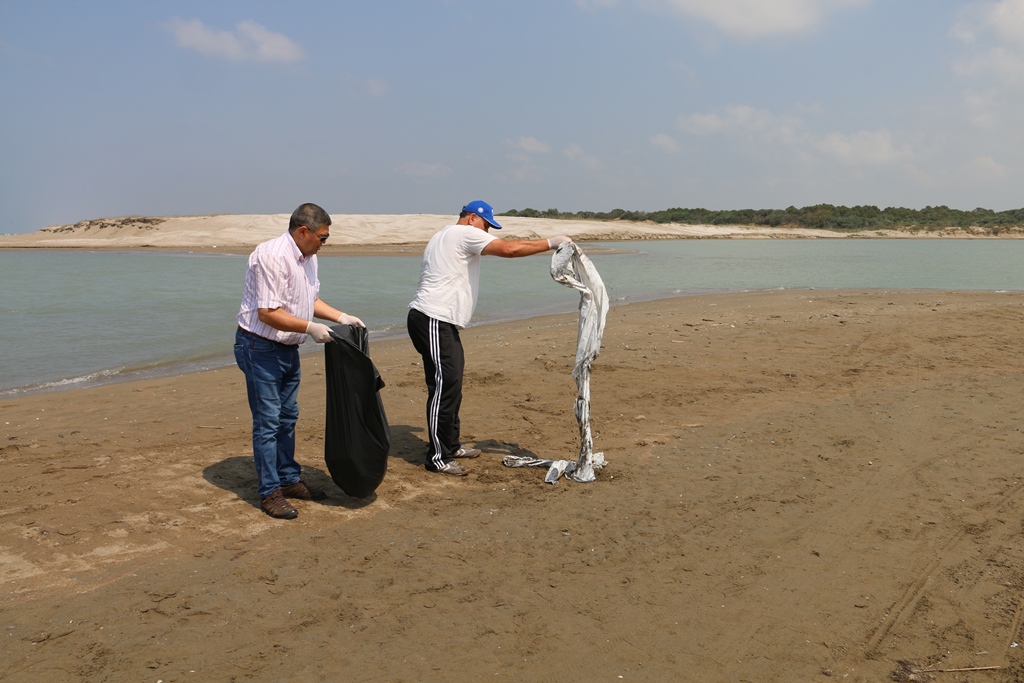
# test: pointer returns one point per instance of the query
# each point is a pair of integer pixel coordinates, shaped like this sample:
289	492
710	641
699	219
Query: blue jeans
272	377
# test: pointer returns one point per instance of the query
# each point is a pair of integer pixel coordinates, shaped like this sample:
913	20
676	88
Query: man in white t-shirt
444	303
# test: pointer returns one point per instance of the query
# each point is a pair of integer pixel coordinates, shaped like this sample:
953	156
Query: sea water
76	318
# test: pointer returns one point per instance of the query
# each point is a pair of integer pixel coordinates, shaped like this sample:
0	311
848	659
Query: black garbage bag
357	438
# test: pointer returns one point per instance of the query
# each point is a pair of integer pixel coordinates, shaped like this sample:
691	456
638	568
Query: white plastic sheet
571	267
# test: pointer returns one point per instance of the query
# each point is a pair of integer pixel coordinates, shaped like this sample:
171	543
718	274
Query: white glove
555	242
321	334
346	319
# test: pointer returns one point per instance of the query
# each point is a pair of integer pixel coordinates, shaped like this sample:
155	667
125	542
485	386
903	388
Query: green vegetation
821	216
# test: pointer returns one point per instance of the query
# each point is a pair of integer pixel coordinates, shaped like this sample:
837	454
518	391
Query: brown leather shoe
302	492
276	506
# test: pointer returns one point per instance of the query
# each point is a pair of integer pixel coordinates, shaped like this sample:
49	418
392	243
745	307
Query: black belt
256	336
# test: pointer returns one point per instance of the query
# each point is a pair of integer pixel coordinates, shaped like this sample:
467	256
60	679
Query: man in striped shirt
443	305
280	300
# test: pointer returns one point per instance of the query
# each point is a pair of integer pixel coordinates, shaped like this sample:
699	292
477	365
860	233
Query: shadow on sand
237	475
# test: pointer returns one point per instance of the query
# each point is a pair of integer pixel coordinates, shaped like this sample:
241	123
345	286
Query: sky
116	108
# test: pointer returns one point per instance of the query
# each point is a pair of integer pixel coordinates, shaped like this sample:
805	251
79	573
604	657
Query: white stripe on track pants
443	364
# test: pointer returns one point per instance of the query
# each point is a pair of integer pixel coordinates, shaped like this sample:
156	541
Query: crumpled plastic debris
571	267
556	468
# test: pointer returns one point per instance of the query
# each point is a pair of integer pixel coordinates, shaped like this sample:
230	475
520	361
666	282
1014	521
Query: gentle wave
93	378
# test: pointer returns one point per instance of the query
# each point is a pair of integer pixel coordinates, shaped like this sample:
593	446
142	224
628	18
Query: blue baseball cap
484	210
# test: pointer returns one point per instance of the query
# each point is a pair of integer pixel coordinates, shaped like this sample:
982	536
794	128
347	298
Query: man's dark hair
464	214
310	215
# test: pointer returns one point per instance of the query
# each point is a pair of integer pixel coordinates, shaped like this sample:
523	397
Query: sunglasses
322	238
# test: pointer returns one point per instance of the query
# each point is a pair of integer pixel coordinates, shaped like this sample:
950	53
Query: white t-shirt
450	277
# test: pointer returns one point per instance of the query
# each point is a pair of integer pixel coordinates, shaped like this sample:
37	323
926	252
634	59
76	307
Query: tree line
821	216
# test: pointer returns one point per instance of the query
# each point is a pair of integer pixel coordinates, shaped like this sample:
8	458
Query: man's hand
555	242
346	319
321	334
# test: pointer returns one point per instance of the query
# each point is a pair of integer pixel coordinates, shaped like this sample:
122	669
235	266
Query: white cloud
992	64
530	145
523	151
733	118
743	119
756	18
763	128
996	29
964	32
1006	66
982	109
364	88
419	169
249	42
528	173
864	148
576	153
377	88
666	143
985	169
1007	21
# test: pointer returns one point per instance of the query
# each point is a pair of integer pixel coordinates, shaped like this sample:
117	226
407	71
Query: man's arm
280	319
515	248
324	311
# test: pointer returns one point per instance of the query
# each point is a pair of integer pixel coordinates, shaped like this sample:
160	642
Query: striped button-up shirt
279	276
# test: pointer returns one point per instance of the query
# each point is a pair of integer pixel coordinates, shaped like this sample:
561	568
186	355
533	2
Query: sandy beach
802	485
390	234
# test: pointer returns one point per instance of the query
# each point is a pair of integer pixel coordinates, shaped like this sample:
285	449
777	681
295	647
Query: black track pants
443	364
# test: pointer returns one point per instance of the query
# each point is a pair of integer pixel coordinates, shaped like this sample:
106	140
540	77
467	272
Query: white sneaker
453	468
467	453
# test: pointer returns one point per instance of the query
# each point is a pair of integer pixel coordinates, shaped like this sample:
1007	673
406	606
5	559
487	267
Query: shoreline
798	482
178	368
175	368
56	372
220	361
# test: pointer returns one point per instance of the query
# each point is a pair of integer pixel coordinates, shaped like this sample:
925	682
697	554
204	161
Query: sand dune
242	232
